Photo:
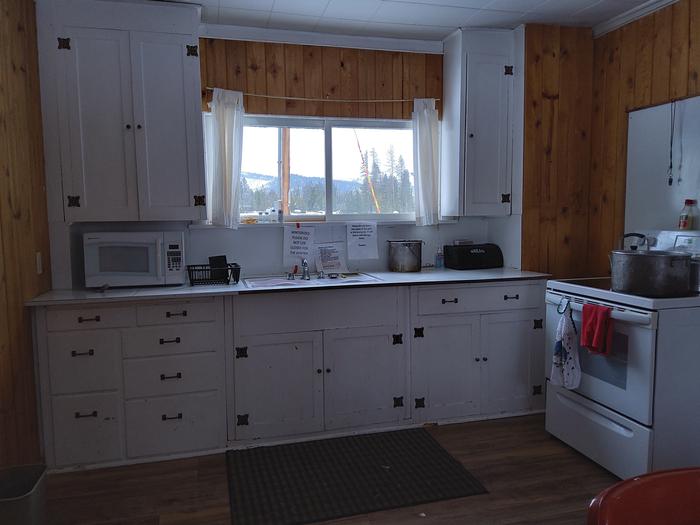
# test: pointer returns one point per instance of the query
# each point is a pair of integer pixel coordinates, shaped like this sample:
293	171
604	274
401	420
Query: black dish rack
200	274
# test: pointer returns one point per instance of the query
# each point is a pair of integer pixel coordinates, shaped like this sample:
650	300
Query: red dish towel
597	329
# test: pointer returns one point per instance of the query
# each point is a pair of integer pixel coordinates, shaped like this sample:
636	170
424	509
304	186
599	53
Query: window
322	169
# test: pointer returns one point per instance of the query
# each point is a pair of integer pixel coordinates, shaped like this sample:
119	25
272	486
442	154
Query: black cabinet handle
78	415
138	126
477	359
169	341
508	297
165	417
328	370
75	353
319	371
163	377
485	359
95	319
176	314
455	301
128	126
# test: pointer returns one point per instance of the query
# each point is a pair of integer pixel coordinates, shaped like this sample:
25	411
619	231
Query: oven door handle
622	315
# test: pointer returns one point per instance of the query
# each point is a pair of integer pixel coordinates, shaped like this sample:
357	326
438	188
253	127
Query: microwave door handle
159	258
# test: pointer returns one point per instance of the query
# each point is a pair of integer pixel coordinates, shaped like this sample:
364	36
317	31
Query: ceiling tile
300	7
292	22
422	14
474	4
341	26
514	5
500	19
355	10
243	17
256	5
564	7
418	32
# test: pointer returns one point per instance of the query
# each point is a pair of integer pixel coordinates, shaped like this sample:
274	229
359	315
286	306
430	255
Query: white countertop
65	297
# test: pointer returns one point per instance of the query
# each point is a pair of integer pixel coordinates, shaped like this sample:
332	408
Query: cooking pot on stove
650	273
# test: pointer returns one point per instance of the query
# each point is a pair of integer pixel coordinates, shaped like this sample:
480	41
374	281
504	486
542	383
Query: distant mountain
257	180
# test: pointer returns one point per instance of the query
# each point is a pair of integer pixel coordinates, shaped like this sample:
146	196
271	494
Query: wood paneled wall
320	72
23	228
558	99
651	61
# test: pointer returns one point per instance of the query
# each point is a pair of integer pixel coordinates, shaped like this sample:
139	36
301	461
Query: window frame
327	124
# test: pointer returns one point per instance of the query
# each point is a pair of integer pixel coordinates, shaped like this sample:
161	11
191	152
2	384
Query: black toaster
473	256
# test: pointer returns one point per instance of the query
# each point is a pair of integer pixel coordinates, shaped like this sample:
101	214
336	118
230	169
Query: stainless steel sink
282	282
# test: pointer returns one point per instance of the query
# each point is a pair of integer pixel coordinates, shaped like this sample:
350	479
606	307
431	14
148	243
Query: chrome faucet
305	270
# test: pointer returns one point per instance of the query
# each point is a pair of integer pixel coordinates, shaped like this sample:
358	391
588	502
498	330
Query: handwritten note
362	240
298	243
330	257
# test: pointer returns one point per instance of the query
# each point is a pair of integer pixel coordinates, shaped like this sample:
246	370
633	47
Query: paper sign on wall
362	240
330	257
298	243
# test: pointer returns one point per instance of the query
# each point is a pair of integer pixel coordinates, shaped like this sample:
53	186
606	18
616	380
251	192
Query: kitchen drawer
178	312
611	440
89	317
84	361
169	340
462	299
160	376
87	428
165	425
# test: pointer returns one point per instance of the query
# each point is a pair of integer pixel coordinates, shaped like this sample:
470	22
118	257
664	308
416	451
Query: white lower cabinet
444	369
87	428
166	425
366	377
278	385
510	342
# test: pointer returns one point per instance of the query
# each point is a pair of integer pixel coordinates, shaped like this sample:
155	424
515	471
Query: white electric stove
637	409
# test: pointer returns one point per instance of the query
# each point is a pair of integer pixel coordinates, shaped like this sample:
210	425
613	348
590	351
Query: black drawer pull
455	300
163	377
95	319
169	341
508	297
176	314
75	353
78	415
164	417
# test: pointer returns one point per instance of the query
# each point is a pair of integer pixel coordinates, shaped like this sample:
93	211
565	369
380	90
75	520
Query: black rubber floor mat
331	478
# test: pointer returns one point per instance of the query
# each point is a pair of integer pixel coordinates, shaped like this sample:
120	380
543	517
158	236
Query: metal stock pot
650	273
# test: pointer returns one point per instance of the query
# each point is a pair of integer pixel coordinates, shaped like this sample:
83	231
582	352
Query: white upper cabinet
96	131
488	142
130	129
167	114
476	156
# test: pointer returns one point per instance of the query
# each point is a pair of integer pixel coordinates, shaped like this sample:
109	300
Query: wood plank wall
320	72
558	99
651	61
23	228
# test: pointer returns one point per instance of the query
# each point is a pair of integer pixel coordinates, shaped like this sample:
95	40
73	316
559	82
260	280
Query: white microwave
115	259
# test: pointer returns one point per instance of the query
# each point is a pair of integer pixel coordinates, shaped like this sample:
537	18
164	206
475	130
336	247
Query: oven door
123	259
623	380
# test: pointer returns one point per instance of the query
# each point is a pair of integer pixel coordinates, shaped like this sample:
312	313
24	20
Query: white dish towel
566	370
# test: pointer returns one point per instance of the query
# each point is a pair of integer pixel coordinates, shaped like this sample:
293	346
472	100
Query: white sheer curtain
223	131
426	163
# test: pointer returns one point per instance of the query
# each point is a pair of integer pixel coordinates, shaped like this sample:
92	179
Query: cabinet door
488	141
366	377
445	367
96	128
278	382
510	342
168	118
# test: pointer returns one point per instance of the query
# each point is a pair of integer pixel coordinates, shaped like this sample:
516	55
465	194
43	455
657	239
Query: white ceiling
419	19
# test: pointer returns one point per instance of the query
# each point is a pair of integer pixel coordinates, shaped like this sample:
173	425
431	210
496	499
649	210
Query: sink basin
281	282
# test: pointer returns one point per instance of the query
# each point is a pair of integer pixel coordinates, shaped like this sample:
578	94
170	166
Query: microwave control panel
174	257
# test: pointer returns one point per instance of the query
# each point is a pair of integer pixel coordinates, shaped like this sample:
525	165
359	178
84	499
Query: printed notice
362	240
298	243
330	257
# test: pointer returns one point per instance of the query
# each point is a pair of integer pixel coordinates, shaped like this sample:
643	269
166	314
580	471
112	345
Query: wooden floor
531	478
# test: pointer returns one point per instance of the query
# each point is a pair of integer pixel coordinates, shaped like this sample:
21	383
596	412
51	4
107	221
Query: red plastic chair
666	497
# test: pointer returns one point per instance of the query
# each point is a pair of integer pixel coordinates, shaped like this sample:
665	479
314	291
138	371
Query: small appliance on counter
120	259
473	257
405	255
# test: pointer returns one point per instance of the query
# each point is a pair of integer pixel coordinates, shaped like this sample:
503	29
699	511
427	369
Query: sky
307	150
